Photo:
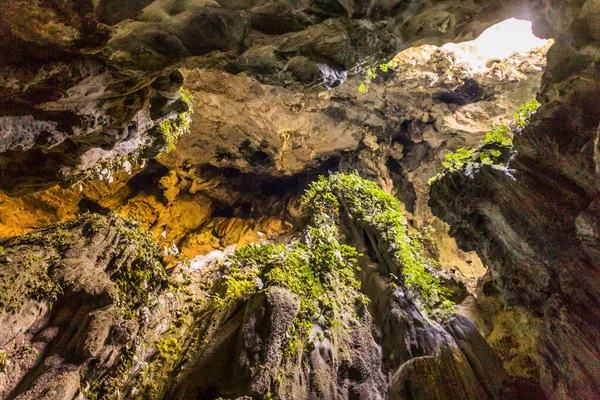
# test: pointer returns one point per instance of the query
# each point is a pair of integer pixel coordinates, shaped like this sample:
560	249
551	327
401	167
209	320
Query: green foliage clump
380	214
525	112
492	151
172	130
495	150
371	73
145	272
168	349
320	269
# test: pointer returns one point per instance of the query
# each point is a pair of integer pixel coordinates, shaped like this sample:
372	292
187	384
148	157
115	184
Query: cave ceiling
206	120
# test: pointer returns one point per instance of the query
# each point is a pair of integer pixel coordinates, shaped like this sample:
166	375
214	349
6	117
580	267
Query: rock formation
537	232
206	120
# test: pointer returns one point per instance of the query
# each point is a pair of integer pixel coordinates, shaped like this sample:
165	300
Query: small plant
496	150
173	130
524	114
492	151
371	73
168	349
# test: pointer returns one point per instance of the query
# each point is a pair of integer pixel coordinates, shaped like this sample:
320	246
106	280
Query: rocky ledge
351	302
90	310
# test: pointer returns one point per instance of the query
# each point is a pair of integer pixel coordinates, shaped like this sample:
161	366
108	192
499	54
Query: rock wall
74	301
536	232
84	82
86	90
89	310
251	148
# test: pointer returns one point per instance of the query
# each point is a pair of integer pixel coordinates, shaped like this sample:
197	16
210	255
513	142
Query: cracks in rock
469	92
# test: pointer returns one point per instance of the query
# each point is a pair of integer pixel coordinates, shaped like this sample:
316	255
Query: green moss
26	278
320	269
173	130
169	349
188	97
317	269
495	150
138	279
381	214
157	374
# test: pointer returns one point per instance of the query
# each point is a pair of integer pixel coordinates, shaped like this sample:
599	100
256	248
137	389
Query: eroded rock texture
86	88
251	148
73	303
537	232
82	318
84	81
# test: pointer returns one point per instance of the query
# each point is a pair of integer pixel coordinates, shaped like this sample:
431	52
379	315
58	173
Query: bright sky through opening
497	42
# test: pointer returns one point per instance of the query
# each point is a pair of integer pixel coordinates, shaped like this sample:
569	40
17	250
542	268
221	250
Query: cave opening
498	42
155	243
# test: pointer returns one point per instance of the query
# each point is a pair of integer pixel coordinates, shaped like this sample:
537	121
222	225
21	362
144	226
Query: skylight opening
498	42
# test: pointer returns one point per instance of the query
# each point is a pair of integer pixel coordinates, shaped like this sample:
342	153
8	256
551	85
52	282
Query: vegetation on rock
380	215
173	129
496	150
170	130
320	269
372	73
106	258
524	114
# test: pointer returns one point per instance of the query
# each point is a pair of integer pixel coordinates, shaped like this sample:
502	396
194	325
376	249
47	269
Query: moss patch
380	213
26	278
496	150
173	130
320	268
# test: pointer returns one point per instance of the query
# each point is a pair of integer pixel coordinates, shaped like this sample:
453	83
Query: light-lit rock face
196	221
85	81
395	133
537	232
277	102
